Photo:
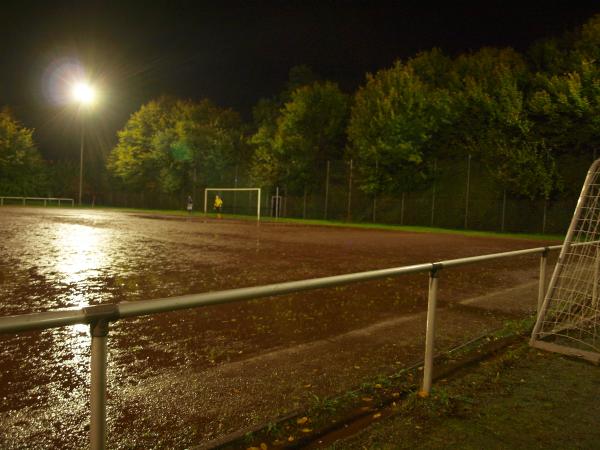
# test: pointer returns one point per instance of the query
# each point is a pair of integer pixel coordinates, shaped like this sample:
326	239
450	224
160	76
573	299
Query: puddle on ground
60	258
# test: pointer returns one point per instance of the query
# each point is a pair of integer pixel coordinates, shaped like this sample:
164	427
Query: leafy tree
433	68
266	167
550	56
63	178
488	87
171	145
311	131
586	43
565	106
566	110
21	166
135	160
394	122
492	122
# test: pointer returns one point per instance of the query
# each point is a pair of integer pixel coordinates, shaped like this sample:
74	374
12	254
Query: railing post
430	334
99	332
542	285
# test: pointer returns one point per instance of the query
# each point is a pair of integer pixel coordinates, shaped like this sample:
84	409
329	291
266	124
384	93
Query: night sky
233	52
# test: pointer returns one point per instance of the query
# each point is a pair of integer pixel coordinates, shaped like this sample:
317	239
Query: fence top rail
232	189
36	198
115	311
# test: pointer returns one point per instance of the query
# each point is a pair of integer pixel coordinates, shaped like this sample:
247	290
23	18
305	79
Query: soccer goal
569	320
234	202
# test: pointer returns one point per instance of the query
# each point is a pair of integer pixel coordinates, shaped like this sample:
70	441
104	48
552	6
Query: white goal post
233	189
569	320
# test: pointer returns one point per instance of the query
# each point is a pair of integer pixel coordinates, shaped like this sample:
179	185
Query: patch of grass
274	429
461	409
249	437
326	404
422	229
334	223
523	398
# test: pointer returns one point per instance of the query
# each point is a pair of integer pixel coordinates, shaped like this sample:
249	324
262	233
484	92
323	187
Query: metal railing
23	200
99	316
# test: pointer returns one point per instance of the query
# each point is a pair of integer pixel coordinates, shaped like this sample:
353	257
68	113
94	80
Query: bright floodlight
84	93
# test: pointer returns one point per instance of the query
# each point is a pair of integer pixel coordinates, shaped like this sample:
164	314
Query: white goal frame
572	301
233	189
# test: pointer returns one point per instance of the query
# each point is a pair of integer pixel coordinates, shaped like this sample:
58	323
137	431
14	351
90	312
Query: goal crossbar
206	190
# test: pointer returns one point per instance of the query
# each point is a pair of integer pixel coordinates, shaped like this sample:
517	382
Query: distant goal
243	201
569	320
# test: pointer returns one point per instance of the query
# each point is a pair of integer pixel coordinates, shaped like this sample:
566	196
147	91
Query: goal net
237	201
569	320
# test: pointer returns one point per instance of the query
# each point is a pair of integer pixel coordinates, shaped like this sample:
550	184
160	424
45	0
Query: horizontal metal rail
111	312
232	189
23	200
99	316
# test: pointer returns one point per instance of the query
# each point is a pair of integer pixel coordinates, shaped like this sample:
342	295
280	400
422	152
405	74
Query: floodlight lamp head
83	93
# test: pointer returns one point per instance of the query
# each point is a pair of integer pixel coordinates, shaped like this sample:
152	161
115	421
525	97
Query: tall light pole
84	95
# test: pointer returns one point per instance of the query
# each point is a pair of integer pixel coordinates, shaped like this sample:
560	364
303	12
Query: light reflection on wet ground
51	258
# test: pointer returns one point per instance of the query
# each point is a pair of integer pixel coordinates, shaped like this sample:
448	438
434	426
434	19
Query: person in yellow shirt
218	205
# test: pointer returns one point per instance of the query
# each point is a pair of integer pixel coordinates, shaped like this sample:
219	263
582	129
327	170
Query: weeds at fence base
330	419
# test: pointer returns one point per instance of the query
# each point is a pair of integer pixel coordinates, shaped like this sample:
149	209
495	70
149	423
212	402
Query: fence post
503	210
99	332
348	214
544	216
430	333
326	190
402	210
304	204
374	207
542	285
277	202
235	185
433	192
258	203
467	193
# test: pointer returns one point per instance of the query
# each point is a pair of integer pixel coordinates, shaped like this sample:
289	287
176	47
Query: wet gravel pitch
60	258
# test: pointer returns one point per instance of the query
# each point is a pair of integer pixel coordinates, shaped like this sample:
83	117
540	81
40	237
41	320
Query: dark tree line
517	113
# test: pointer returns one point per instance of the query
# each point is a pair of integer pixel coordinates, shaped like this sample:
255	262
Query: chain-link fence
462	196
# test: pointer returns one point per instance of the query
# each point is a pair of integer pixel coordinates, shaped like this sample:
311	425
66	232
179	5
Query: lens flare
65	83
83	93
